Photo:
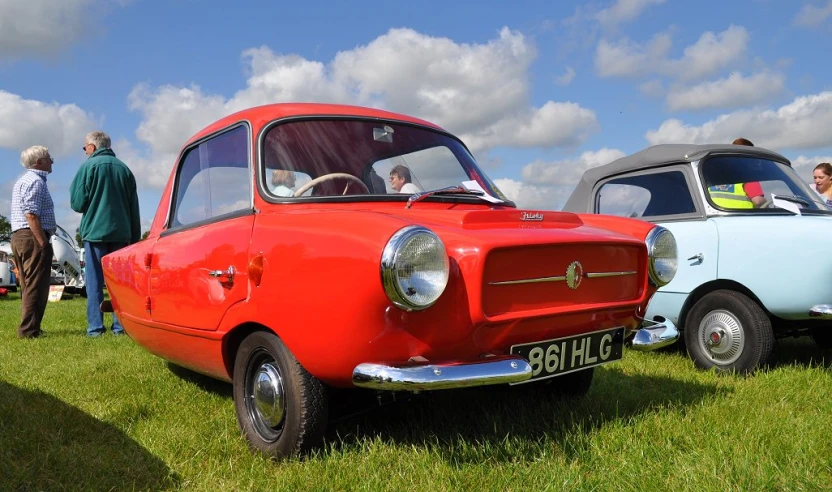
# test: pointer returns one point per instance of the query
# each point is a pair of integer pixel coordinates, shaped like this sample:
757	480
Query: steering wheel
328	177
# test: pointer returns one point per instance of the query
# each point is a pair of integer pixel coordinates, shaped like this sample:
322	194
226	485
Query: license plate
550	358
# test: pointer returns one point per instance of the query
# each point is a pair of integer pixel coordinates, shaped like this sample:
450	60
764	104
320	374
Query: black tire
729	332
293	424
573	385
83	292
823	337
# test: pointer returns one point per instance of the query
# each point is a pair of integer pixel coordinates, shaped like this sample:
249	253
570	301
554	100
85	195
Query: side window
213	179
646	195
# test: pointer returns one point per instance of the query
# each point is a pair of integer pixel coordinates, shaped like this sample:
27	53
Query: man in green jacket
104	191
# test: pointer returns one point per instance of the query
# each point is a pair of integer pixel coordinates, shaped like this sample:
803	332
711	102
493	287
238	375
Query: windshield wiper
450	190
794	199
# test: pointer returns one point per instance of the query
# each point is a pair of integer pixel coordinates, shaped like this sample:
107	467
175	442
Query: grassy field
103	414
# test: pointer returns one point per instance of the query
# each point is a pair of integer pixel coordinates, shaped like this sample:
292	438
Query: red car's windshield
363	157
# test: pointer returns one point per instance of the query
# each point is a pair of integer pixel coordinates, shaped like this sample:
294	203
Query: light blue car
752	268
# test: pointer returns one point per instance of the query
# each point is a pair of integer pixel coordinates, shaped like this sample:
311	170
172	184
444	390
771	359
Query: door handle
698	257
224	276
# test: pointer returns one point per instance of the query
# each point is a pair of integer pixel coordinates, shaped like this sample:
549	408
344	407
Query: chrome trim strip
823	311
654	335
530	281
609	274
449	375
563	278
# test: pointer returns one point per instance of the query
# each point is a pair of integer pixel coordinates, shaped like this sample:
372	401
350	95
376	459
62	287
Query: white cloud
652	88
6	192
569	171
813	16
26	122
803	123
152	170
566	78
623	11
547	185
731	92
46	27
528	196
709	54
554	124
626	58
173	114
478	91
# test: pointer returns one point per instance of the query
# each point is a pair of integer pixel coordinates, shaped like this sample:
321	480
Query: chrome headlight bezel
652	242
389	266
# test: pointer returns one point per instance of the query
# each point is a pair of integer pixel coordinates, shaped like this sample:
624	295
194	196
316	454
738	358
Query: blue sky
540	90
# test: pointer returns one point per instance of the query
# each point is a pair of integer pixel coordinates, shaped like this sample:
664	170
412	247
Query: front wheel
728	331
282	410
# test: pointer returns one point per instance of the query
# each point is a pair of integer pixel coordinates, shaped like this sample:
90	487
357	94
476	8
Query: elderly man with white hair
33	223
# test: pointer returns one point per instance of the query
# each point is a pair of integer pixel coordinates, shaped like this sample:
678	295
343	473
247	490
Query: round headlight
663	257
414	268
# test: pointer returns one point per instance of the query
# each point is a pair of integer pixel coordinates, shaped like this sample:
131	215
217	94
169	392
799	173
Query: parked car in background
67	263
7	277
748	273
280	260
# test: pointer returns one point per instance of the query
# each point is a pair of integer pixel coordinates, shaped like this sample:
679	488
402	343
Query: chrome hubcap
268	395
721	337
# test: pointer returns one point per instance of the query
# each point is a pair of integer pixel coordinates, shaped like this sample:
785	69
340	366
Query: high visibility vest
731	196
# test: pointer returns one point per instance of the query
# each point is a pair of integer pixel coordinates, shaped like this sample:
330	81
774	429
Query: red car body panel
310	272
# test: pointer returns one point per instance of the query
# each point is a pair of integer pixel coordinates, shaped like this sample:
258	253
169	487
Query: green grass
103	414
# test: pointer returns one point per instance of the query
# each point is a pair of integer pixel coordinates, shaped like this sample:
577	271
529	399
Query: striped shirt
31	196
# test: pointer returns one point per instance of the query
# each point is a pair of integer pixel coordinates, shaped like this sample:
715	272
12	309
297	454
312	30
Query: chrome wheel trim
721	337
265	396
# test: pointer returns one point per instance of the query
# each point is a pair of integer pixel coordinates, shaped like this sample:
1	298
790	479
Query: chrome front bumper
654	335
822	311
493	370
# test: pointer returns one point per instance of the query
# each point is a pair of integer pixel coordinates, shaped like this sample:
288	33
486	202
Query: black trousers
34	264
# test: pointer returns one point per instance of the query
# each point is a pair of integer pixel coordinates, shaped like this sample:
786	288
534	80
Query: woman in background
283	182
823	181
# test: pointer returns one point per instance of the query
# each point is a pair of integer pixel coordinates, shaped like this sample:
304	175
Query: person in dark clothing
104	191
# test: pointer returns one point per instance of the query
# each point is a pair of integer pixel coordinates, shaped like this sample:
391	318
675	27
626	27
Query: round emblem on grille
574	275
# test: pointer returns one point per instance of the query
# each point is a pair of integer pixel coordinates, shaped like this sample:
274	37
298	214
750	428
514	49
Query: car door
664	196
698	246
198	267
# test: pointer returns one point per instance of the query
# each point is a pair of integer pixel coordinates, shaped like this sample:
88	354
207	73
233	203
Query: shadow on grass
205	383
47	444
800	352
517	423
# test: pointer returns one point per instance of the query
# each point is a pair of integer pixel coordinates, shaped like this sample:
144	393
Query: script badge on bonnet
531	216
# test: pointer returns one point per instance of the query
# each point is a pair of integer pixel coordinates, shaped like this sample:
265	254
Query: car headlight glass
414	268
663	255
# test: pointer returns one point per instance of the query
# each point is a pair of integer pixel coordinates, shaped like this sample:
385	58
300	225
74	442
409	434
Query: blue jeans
95	286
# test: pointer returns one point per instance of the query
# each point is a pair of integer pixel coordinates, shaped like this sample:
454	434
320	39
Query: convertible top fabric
656	156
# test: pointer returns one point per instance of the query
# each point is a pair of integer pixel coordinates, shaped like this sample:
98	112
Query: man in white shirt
400	180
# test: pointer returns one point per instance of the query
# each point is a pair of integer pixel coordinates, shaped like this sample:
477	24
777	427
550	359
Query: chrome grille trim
609	274
563	278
